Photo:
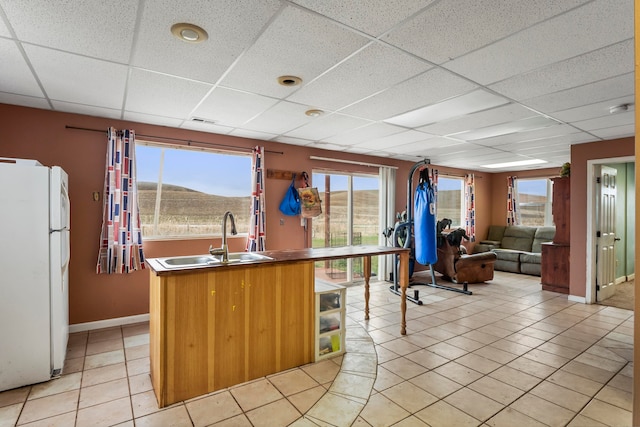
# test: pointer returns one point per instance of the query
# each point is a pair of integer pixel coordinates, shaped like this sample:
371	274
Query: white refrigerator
34	272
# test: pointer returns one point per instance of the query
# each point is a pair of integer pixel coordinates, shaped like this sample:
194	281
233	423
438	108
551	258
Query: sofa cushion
518	237
530	258
543	235
507	255
496	232
510	266
531	269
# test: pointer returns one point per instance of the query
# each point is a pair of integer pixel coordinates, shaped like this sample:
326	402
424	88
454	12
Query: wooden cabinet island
215	326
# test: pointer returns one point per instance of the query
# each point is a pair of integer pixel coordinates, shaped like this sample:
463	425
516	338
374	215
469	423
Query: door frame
590	288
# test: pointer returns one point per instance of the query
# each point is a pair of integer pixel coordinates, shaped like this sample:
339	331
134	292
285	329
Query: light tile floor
508	355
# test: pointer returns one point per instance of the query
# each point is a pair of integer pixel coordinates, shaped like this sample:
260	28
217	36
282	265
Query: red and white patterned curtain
257	237
470	206
513	215
121	237
433	177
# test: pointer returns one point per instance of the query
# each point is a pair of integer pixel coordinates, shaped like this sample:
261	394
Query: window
450	200
350	216
185	192
534	201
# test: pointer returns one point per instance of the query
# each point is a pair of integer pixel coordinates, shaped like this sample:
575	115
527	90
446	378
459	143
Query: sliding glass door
350	217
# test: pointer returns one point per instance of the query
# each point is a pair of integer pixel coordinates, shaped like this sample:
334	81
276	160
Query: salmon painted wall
580	155
42	135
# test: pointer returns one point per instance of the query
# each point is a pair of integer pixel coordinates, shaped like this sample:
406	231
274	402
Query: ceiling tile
394	140
493	116
369	131
600	64
88	81
584	95
16	77
76	27
296	43
427	88
545	142
25	101
372	17
4	30
327	146
592	111
90	110
232	27
451	29
619	119
252	134
471	102
281	118
510	128
294	141
206	127
152	119
554	40
426	147
326	126
377	67
615	132
229	107
528	136
177	98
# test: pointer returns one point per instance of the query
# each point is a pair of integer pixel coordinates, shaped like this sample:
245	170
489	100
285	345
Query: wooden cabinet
561	209
555	267
555	255
210	329
330	320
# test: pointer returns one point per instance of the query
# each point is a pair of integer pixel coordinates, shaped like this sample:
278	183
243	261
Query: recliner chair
459	267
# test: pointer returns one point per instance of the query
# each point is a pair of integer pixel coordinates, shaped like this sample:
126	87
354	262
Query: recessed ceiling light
314	113
518	163
289	80
189	33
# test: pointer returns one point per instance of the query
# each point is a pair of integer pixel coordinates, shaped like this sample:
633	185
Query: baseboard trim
108	323
574	298
631	276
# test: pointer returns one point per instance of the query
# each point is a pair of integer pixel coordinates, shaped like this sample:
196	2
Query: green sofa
518	247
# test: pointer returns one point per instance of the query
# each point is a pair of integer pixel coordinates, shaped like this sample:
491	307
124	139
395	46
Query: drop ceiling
464	83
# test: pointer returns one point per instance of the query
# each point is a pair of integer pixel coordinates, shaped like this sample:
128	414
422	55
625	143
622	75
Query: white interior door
605	232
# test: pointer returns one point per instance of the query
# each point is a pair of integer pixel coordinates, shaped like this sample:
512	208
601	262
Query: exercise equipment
427	228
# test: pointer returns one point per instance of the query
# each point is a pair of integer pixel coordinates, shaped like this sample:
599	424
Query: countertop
287	255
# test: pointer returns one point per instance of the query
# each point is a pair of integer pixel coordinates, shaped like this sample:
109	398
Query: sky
211	173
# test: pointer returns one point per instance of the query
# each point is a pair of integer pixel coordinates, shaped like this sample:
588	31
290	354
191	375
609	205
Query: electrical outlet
281	221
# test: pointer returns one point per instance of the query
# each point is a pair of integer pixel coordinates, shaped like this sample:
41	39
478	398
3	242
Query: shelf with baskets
330	320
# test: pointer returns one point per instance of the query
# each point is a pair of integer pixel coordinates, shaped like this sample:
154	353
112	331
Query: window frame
463	212
548	204
159	182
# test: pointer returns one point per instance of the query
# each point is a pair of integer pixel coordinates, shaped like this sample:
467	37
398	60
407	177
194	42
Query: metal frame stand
407	244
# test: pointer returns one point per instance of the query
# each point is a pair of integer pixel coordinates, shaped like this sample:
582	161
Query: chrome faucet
224	250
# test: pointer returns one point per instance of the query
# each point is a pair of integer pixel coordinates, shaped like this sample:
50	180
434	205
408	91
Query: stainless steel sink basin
203	260
244	257
189	261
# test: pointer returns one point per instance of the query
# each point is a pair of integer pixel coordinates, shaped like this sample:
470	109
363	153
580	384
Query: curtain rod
188	141
352	162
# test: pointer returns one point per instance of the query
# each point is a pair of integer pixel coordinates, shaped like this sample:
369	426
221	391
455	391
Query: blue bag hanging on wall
290	204
425	223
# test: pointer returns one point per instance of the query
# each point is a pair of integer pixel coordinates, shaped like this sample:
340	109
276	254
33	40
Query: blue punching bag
425	224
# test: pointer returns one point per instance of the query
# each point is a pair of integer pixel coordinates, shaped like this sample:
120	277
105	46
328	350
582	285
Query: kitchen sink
203	260
189	261
244	257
